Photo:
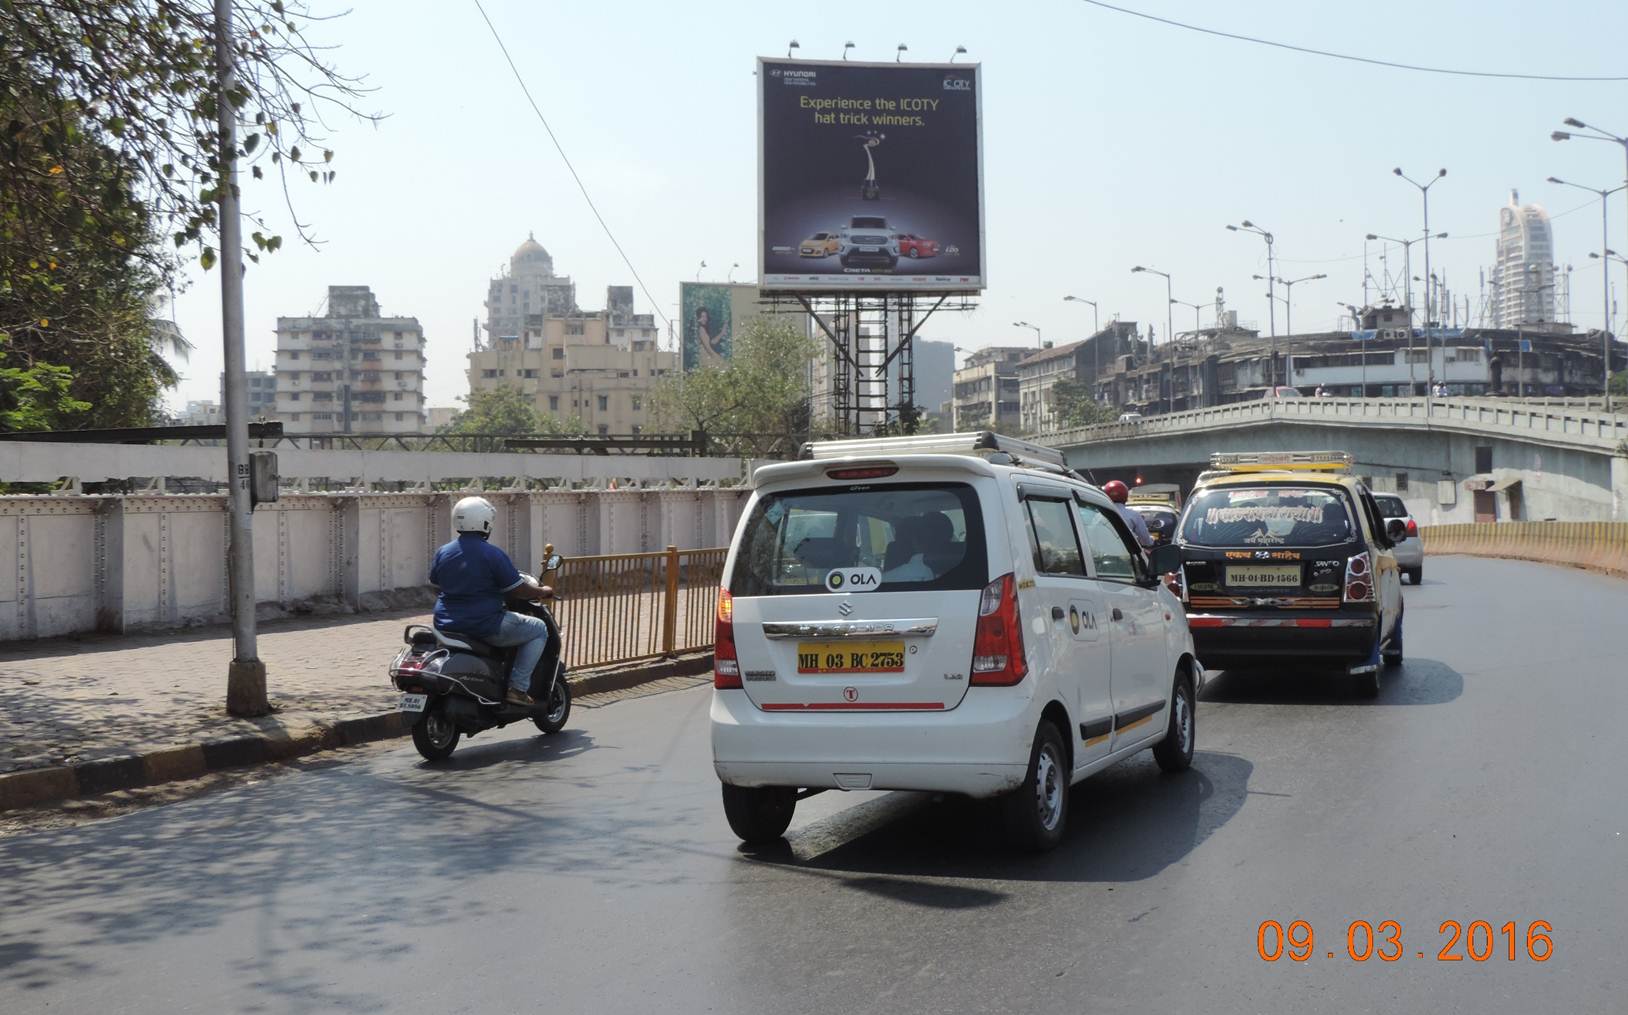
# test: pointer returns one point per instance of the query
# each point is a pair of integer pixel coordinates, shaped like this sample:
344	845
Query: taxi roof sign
1281	461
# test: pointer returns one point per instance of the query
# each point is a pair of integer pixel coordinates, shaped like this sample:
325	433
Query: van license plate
1264	577
850	657
414	702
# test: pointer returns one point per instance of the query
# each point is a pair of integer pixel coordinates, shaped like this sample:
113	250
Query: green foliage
138	79
34	397
1619	383
75	292
757	399
1076	407
507	410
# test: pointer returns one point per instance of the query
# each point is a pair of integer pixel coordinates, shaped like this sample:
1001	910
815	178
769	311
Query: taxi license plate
850	657
414	702
1264	577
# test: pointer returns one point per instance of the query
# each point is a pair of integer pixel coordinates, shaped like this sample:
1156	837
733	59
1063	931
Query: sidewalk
139	709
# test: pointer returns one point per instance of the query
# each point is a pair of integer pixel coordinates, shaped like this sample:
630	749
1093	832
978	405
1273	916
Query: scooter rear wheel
434	734
559	708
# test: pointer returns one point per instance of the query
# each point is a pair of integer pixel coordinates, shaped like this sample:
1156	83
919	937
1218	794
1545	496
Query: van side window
1051	535
1110	557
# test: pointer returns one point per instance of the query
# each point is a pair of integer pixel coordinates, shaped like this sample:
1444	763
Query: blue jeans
531	634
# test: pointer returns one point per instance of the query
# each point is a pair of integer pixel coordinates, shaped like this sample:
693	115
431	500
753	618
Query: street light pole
1430	354
1196	308
246	676
1039	342
1096	343
1169	315
1597	134
1271	297
1605	281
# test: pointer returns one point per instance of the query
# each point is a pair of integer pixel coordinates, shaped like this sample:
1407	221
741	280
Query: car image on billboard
875	157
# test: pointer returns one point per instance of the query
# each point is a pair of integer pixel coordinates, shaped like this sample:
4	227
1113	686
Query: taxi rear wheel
759	814
1037	811
1175	752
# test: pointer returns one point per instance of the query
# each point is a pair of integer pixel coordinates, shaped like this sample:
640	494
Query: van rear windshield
921	536
1267	516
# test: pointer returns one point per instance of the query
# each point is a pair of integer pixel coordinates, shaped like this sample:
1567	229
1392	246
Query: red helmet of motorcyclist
1116	491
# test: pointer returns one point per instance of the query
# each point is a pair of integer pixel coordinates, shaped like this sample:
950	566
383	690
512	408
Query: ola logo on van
853	579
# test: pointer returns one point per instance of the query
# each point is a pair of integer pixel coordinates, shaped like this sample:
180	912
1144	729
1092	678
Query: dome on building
531	252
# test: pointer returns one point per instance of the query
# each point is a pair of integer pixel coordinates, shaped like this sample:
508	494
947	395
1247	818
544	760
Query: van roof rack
1281	461
983	443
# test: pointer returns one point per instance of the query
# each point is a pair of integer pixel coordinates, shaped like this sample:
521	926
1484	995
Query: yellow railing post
669	604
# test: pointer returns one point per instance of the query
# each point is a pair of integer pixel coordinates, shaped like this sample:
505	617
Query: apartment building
351	370
599	366
985	392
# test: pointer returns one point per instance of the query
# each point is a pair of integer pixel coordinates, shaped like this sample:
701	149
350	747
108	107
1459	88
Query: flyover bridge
1452	459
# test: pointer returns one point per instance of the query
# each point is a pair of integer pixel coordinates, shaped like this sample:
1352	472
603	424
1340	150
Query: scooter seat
466	643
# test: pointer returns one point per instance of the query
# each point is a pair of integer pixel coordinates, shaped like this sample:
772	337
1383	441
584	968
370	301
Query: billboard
710	312
869	176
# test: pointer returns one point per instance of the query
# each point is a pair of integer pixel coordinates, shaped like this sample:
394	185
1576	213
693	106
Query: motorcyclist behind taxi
475	579
1119	494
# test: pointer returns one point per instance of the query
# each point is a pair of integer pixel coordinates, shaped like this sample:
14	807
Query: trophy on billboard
869	191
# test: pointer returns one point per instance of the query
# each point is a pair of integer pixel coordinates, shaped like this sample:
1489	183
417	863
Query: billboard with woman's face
708	320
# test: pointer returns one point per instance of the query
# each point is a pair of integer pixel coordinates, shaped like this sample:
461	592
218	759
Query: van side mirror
1396	530
1165	558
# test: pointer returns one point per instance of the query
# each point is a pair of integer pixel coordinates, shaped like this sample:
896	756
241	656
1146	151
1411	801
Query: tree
757	400
139	76
1076	406
507	410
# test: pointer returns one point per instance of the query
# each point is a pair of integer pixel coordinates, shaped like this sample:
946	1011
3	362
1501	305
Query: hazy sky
1109	141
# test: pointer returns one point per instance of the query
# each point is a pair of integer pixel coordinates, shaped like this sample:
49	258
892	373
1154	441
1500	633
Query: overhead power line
1347	56
573	169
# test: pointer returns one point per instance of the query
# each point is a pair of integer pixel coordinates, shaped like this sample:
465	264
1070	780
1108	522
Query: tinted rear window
921	536
1267	516
1391	507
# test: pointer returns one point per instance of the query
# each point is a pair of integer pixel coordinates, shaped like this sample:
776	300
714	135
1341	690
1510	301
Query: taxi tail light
726	667
997	643
1359	579
1413	528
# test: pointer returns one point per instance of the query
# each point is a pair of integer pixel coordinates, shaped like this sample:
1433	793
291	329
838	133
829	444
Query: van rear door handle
1118	615
1057	613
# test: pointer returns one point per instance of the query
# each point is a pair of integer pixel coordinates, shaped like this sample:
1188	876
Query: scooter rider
474	578
1119	494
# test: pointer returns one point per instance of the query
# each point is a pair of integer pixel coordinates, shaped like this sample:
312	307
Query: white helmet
473	514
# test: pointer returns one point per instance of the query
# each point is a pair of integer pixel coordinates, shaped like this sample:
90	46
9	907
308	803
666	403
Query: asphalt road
594	871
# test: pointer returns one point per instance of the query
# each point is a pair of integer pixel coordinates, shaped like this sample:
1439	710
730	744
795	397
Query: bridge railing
1597	546
1582	426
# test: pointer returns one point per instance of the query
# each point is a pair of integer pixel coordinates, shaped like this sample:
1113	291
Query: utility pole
246	676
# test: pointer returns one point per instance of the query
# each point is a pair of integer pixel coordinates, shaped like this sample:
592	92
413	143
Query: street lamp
1169	326
793	44
1096	341
958	51
1430	355
845	47
1288	299
1596	134
1407	292
1032	327
1196	308
731	276
898	54
698	269
1605	280
1271	306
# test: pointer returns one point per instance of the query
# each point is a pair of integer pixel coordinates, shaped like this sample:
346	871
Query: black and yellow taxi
1159	504
1283	560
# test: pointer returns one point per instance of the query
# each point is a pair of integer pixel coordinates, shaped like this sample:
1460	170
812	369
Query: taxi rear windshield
1267	516
920	536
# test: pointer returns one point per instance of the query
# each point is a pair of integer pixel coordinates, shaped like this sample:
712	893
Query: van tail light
726	667
1359	580
997	644
1413	528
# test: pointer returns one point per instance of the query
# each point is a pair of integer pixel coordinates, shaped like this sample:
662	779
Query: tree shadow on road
1125	824
1415	682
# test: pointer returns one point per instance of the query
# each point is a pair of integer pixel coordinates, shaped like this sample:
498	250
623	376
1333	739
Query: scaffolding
871	333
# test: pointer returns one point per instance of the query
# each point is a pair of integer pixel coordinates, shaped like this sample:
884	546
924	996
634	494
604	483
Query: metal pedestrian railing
621	607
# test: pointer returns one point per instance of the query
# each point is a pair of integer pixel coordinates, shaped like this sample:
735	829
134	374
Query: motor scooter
455	684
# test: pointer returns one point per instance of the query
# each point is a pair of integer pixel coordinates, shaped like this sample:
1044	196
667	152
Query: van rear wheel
1037	811
759	814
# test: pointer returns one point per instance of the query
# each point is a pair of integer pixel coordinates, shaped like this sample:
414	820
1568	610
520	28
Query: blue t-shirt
472	576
